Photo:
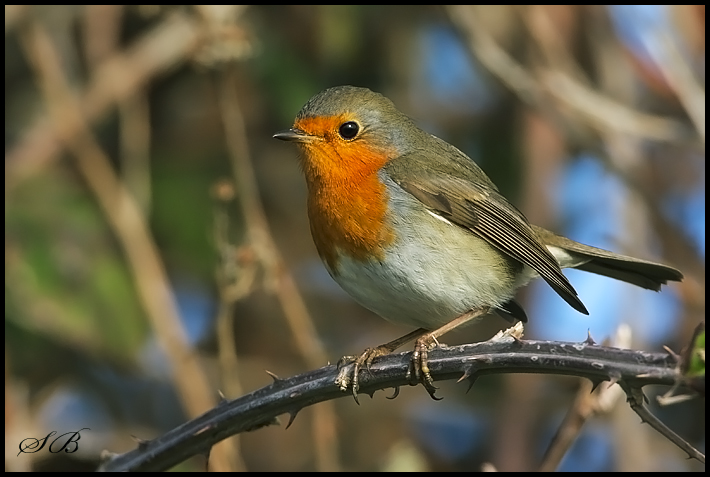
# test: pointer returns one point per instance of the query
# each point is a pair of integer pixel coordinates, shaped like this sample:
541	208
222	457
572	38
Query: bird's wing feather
486	213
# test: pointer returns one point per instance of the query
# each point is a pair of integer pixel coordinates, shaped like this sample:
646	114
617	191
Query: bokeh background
157	247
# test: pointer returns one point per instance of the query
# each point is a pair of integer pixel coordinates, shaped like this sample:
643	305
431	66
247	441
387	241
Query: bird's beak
292	135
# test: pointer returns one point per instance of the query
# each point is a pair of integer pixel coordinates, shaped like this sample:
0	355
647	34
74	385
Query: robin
415	231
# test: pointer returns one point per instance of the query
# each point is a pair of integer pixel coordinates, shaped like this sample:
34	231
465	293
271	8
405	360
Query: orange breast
349	219
346	202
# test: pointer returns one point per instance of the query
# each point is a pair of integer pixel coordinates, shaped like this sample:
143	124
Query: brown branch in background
588	403
670	60
571	427
134	117
623	155
102	33
552	38
260	239
583	101
493	57
607	114
102	27
618	129
69	125
117	78
235	276
13	14
564	79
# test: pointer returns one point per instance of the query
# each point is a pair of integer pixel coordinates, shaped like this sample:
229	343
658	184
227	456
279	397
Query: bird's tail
642	273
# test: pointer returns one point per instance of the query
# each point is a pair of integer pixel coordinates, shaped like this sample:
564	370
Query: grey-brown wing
486	213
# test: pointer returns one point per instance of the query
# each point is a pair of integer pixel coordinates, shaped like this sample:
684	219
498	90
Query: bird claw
420	364
348	377
349	366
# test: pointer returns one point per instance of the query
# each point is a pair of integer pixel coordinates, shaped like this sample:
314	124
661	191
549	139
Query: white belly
432	273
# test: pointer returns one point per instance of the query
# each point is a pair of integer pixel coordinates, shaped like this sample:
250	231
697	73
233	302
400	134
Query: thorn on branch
469	373
466	374
471	381
222	398
273	376
613	379
142	443
292	417
672	353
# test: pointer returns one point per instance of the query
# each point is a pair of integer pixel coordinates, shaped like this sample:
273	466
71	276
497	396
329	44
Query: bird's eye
349	130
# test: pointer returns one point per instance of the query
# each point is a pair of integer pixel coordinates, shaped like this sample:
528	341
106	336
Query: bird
415	231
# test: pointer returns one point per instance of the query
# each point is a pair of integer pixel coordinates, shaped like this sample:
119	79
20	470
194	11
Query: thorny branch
636	400
630	368
588	402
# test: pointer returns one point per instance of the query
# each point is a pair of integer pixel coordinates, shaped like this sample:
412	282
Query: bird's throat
349	218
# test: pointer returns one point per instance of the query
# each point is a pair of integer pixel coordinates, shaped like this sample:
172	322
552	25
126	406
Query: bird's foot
420	363
348	376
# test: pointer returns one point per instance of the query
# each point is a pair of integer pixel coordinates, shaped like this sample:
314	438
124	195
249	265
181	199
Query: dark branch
633	369
636	401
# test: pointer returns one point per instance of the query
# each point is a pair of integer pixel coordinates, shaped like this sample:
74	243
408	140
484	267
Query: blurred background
157	247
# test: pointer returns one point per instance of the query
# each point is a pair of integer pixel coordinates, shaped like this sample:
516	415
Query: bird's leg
367	357
420	357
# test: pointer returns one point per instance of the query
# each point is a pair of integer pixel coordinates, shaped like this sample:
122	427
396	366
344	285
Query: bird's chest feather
417	269
349	219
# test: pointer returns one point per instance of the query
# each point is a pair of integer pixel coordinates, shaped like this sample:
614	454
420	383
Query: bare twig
102	32
247	413
165	46
570	428
235	276
636	401
549	37
493	57
584	102
13	14
588	402
620	128
235	280
124	216
670	60
604	112
260	239
134	114
102	26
